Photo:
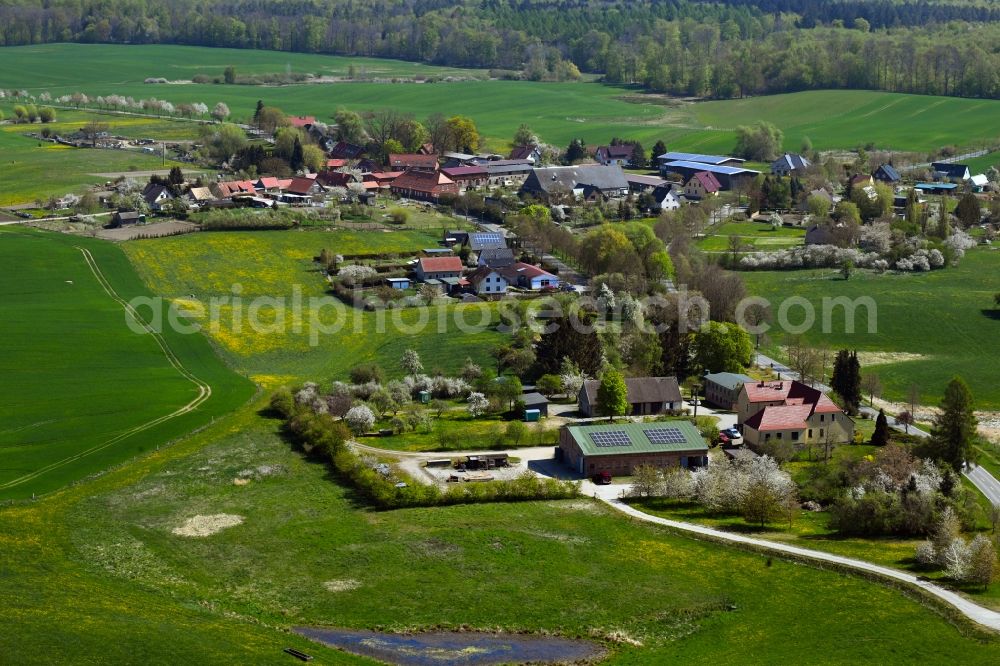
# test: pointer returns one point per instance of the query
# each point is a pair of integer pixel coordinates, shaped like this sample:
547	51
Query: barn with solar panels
618	448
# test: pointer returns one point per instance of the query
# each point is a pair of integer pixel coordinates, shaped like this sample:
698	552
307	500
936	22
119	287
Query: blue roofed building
788	164
887	174
728	176
950	171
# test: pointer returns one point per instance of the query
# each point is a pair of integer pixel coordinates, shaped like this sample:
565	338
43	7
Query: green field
941	320
78	380
272	264
575	568
36	170
558	112
981	164
753	235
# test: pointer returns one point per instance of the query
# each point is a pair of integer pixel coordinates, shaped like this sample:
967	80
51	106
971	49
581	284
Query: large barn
617	448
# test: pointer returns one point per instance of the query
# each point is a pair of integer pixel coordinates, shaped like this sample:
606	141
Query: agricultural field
983	163
558	112
307	553
82	391
754	236
930	326
195	268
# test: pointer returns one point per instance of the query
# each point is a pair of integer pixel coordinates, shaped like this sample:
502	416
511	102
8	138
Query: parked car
732	433
602	478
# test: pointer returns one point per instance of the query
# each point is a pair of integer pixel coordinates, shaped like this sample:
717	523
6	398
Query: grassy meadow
307	553
754	236
277	264
36	170
930	326
76	376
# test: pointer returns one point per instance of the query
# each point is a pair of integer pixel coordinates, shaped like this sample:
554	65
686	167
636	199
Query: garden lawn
192	270
457	431
754	235
76	378
940	321
571	567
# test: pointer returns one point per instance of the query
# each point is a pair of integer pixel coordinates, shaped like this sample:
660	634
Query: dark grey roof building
582	179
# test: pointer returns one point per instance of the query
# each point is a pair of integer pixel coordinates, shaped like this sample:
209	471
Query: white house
486	281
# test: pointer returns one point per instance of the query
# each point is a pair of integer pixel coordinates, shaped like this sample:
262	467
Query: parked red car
602	478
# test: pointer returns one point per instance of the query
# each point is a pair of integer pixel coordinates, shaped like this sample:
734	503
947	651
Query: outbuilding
621	447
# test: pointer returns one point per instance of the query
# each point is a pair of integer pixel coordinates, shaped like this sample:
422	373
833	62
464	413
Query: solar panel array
608	438
665	436
488	237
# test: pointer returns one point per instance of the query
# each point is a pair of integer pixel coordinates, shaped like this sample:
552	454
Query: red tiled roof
268	182
780	417
300	185
528	270
335	164
441	264
413	160
301	121
790	393
421	181
522	152
708	181
231	187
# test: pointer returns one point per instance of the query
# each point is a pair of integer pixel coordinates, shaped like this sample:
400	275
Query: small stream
445	648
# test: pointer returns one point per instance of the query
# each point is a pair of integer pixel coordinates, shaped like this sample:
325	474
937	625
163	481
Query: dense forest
682	47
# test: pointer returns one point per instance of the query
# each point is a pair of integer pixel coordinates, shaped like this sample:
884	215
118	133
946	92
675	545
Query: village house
621	447
346	151
486	281
229	189
506	173
496	257
528	276
702	185
666	198
423	185
302	122
790	411
483	240
156	196
530	154
722	389
887	173
646	395
303	186
199	196
788	164
619	155
950	171
438	268
862	180
819	234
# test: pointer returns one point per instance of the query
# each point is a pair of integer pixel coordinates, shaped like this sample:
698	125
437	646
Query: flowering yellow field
242	288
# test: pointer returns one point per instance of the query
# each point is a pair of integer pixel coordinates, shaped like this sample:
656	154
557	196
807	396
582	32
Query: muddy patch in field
452	648
203	526
869	358
341	585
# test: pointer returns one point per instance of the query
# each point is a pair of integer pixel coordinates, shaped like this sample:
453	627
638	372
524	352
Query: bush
367	372
399	215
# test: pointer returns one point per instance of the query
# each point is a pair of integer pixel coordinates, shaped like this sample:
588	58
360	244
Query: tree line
731	49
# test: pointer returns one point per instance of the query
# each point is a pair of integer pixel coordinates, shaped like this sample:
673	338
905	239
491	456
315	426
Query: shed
531	415
536	401
398	282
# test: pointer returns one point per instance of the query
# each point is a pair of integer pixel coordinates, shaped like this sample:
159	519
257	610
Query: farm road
976	613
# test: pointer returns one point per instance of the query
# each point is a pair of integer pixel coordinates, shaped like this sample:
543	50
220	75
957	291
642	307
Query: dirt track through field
204	390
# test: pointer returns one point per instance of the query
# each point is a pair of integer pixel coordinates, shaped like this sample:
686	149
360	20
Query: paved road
957	158
985	481
984	616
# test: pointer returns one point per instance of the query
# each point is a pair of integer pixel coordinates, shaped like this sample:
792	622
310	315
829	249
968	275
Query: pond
451	648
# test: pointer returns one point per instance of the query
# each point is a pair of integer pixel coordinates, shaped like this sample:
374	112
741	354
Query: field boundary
204	389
